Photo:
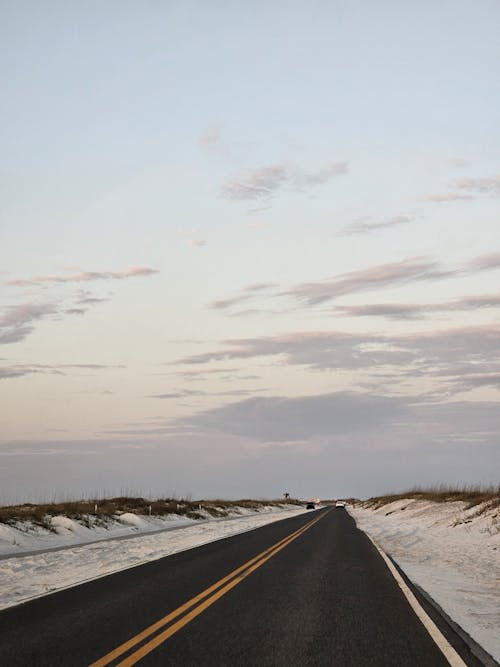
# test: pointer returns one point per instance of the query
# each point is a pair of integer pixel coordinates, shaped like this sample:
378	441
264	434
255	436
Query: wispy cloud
445	354
211	140
183	393
475	380
489	186
320	176
17	322
258	226
396	311
75	311
376	277
388	275
11	372
86	298
484	262
245	294
84	276
309	348
20	370
200	373
258	287
193	238
468	188
92	367
365	226
260	185
409	311
442	197
188	393
222	304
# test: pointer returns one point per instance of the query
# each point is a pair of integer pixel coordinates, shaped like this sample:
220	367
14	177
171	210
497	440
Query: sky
248	248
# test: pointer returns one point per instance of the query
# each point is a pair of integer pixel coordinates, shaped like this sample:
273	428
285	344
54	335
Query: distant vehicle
310	506
340	503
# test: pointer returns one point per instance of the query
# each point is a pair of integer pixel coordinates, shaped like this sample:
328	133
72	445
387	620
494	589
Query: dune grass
39	514
487	497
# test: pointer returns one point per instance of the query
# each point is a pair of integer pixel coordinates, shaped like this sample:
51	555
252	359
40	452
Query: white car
340	503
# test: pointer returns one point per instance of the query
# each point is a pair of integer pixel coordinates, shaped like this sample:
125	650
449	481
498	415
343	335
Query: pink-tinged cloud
396	311
17	322
258	226
446	196
13	372
445	355
408	311
197	373
483	186
477	380
211	140
260	185
91	301
20	370
85	276
372	278
258	287
484	262
75	311
376	277
367	226
322	175
469	188
183	393
222	304
245	294
257	184
292	346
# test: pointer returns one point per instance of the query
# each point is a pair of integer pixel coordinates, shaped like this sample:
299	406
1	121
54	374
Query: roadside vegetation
105	508
484	497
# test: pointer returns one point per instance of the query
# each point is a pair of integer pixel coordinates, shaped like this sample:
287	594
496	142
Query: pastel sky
249	247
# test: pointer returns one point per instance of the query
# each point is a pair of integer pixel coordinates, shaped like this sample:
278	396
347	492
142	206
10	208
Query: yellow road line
180	610
233	578
159	639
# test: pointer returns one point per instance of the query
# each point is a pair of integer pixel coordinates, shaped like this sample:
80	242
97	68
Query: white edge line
9	605
440	640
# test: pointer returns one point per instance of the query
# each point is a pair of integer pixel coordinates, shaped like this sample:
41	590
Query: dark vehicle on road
310	506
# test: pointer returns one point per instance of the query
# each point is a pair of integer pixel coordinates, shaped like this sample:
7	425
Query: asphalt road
311	590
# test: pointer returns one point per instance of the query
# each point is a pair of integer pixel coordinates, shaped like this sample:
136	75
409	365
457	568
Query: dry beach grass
39	514
487	497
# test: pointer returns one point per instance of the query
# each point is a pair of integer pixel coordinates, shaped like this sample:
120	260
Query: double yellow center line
197	605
